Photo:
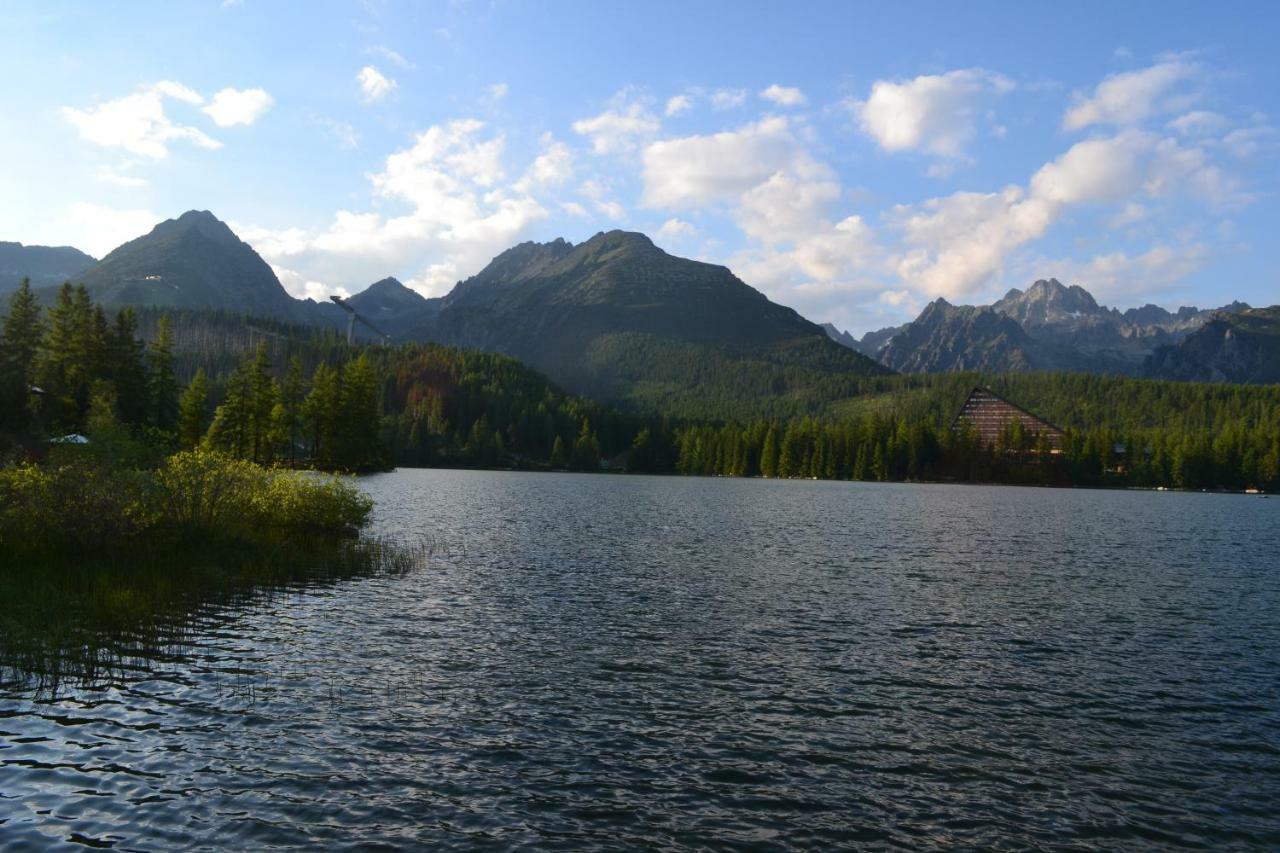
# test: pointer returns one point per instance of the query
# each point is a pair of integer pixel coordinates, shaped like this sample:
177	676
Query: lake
617	661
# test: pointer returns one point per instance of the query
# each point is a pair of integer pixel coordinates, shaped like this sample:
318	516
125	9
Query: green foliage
164	383
210	491
193	412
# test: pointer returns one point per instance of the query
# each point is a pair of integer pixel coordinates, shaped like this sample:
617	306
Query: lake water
596	661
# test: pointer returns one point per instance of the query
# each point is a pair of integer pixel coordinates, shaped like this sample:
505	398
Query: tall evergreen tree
22	333
164	382
126	368
193	411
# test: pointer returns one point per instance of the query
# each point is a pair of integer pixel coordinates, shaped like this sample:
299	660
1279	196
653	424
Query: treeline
275	393
895	448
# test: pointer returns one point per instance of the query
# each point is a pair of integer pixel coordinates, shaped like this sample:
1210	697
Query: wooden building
990	414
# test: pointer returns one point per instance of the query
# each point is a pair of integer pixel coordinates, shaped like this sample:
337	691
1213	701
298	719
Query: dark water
618	662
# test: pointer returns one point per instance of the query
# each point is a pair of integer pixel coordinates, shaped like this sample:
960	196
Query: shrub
75	504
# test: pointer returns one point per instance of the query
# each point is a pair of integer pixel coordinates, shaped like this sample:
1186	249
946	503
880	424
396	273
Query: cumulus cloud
374	85
138	122
1123	276
1198	123
459	214
691	171
97	228
618	129
675	228
936	113
1131	97
552	168
728	99
677	105
783	96
606	206
238	106
954	245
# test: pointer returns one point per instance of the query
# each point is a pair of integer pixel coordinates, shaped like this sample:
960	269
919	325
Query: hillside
46	266
620	320
1241	347
194	261
1058	327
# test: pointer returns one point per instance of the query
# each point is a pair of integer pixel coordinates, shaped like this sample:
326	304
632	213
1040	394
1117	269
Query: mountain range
614	317
1049	326
44	265
619	319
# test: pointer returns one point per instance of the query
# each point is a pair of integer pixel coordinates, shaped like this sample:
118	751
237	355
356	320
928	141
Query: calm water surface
625	661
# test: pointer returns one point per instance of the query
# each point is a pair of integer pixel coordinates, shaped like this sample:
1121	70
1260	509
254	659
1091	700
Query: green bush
74	504
78	503
204	489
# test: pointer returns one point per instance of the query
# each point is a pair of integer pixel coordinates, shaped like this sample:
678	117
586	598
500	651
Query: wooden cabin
990	414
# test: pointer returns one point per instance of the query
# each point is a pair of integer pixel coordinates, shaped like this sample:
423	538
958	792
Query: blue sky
853	161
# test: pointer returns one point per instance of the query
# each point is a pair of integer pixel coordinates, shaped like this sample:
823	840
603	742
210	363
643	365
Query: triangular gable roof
982	389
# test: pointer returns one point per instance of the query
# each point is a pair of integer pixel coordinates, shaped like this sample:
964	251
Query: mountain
1239	346
948	337
194	261
1063	328
620	319
44	265
386	301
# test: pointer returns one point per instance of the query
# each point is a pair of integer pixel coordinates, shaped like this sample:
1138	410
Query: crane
351	324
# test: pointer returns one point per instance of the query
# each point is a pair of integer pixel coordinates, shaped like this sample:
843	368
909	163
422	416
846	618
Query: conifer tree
769	455
586	449
291	399
22	335
193	412
322	410
164	383
127	369
558	457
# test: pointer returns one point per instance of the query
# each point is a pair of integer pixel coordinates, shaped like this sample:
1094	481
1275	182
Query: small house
990	415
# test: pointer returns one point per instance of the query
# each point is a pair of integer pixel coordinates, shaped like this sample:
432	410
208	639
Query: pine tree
769	454
193	412
22	335
586	449
558	458
164	383
291	398
264	393
65	368
321	410
127	369
358	423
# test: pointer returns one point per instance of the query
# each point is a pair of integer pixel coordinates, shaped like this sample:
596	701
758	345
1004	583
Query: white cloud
498	91
954	245
728	99
97	229
138	123
1119	276
674	229
391	56
459	215
1249	141
936	113
119	176
573	208
344	133
783	96
618	129
607	207
302	287
678	104
1131	97
692	171
1198	123
552	168
238	106
373	84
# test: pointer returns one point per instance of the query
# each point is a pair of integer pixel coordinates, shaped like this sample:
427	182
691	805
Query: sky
851	160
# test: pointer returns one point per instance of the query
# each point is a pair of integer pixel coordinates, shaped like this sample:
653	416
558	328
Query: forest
276	394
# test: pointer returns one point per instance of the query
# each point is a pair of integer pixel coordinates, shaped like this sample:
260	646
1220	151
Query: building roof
990	414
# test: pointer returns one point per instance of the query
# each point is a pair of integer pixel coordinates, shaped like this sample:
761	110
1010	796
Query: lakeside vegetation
287	395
